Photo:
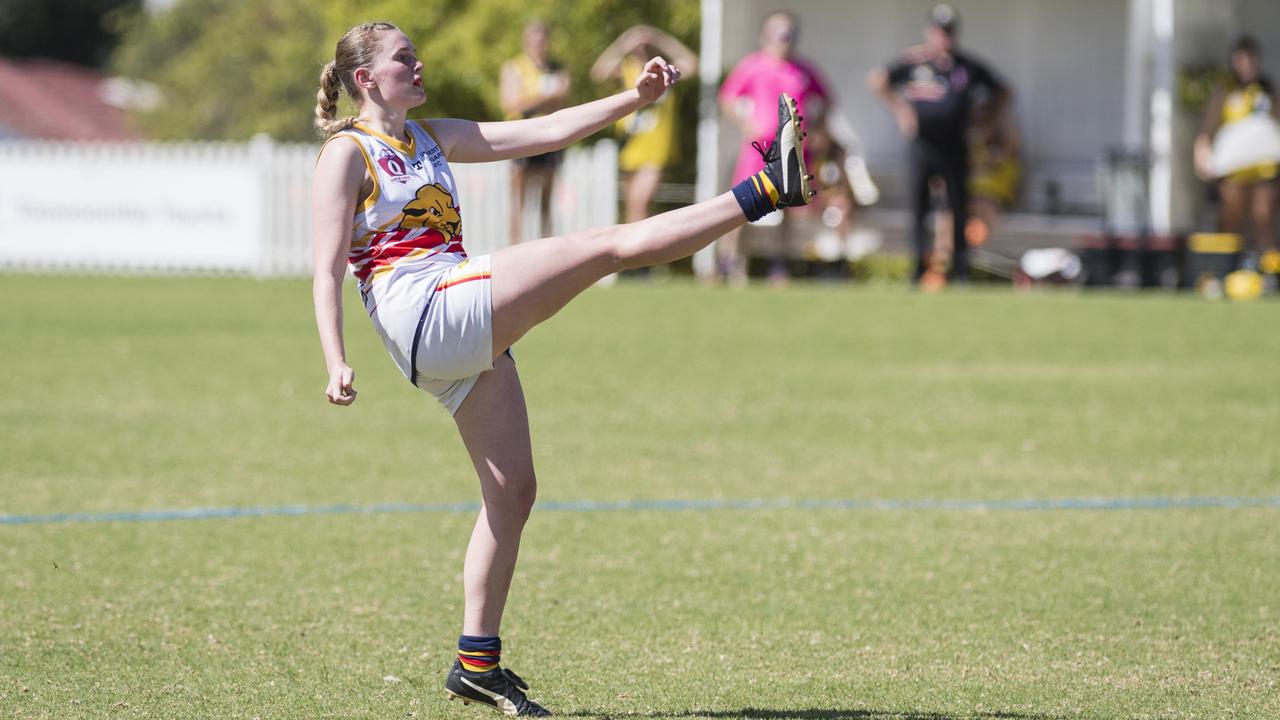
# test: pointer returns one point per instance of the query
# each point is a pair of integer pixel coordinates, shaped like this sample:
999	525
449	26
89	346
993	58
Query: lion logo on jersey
432	207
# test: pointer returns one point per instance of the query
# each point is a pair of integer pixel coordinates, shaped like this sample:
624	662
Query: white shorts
443	341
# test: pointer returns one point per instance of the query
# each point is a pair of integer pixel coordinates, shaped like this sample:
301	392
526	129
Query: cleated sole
793	117
451	695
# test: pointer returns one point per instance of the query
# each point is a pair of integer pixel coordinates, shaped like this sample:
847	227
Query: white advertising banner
130	208
242	208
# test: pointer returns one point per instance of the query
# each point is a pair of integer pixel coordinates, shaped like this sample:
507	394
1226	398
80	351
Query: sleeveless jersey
411	224
1241	102
650	132
535	81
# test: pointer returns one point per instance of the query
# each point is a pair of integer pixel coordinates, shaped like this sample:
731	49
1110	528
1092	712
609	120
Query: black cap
944	17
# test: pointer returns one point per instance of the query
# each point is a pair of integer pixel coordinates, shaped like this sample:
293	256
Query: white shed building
1089	76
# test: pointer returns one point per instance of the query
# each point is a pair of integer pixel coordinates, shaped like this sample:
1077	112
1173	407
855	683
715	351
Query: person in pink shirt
748	98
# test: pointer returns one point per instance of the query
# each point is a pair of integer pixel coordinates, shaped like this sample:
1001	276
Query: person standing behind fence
929	90
533	84
652	141
1250	190
747	98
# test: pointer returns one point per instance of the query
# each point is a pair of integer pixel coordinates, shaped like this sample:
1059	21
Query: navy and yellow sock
757	196
479	653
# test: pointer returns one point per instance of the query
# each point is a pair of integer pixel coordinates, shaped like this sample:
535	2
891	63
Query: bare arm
339	176
637	38
516	103
729	108
470	141
903	113
1202	149
1012	133
668	46
510	95
610	61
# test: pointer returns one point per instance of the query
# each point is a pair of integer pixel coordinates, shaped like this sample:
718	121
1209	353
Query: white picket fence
241	208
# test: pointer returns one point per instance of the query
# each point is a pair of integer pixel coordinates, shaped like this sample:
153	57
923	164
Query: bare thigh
532	281
641	188
1233	206
1264	212
494	425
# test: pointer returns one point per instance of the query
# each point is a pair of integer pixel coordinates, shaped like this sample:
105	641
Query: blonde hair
355	50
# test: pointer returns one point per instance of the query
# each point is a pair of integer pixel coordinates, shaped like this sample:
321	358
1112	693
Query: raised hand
656	77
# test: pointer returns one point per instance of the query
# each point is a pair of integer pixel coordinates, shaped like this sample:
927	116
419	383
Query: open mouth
417	82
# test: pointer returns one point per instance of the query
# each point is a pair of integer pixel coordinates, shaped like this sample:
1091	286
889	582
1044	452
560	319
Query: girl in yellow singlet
651	135
1251	191
532	85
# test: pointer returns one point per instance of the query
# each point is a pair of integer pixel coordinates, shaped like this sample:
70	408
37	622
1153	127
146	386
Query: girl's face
1246	65
778	36
397	73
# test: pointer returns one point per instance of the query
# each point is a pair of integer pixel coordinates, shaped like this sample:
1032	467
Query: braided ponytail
327	102
354	50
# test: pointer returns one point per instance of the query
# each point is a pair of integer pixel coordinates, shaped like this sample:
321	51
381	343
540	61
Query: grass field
142	394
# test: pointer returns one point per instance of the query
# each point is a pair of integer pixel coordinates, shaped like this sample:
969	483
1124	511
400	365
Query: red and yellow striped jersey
411	222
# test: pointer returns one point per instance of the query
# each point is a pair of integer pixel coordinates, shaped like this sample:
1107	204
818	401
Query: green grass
131	394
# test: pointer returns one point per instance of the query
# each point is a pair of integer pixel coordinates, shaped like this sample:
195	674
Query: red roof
54	100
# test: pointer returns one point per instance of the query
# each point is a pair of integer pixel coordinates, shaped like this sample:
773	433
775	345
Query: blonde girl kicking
384	203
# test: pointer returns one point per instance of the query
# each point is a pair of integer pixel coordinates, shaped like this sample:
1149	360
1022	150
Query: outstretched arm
339	176
1202	148
881	84
470	141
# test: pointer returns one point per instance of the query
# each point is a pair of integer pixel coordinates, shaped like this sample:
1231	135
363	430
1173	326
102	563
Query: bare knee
631	245
606	248
512	495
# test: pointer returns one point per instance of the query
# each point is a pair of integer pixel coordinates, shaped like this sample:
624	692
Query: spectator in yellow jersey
1248	98
533	84
651	141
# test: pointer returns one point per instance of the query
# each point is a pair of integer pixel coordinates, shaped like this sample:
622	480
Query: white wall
1261	18
1065	60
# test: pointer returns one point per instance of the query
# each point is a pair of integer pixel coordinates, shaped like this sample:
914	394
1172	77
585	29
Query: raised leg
533	280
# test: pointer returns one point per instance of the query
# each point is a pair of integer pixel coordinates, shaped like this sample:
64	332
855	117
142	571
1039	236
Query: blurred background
969	505
1096	140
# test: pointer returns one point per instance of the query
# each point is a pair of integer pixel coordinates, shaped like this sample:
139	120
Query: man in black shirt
929	90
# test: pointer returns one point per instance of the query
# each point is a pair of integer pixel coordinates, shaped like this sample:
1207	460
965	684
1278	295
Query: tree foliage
229	69
78	31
